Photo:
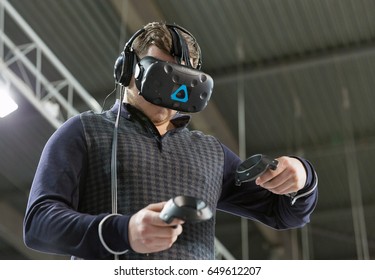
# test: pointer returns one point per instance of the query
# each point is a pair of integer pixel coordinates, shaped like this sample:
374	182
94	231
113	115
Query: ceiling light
7	104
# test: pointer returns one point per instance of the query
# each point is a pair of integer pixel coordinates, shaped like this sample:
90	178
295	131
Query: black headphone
124	65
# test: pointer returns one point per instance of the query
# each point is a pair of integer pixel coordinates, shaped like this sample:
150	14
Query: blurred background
292	77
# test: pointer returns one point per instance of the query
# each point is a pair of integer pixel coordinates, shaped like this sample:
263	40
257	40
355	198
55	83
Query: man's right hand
149	234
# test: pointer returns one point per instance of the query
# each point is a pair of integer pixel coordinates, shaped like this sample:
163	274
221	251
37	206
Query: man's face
158	115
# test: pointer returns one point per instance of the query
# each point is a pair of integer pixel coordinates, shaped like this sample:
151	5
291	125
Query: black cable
114	155
105	99
113	181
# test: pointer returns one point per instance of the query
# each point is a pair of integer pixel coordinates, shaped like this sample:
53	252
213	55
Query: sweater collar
179	120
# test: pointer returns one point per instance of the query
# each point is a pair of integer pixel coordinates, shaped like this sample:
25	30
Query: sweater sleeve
253	202
52	223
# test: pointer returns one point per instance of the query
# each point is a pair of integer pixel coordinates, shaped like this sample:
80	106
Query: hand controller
187	208
253	167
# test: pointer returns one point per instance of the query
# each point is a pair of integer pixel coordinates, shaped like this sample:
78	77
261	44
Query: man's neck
163	128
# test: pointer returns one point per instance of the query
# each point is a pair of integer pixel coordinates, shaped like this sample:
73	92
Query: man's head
161	63
172	39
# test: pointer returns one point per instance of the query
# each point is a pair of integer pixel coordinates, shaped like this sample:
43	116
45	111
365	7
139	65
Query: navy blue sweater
53	223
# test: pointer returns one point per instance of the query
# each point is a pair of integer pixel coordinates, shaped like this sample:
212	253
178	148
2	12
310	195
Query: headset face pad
173	86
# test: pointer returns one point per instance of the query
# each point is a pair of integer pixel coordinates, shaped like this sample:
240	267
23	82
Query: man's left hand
289	176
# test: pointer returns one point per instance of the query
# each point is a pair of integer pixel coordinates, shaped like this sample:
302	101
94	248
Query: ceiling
291	77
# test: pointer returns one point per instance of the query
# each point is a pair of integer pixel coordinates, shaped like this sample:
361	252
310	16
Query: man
74	210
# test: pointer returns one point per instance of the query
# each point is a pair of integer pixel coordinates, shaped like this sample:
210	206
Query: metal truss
22	65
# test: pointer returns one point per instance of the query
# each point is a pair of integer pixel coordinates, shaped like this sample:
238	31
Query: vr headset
173	86
170	85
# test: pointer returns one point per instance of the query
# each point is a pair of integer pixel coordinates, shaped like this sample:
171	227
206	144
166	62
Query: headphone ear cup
123	69
118	68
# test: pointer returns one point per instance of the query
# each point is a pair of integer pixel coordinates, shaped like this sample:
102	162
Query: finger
156	206
142	229
285	182
152	212
175	222
167	232
268	176
276	181
284	164
284	188
153	239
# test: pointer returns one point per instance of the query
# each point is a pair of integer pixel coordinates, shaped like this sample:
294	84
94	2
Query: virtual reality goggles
172	85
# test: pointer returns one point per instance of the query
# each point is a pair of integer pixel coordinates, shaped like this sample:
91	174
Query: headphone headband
129	43
171	27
